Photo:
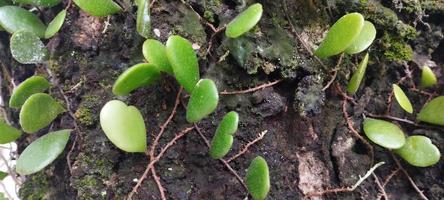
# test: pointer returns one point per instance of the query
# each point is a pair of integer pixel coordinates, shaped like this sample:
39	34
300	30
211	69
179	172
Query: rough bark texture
309	146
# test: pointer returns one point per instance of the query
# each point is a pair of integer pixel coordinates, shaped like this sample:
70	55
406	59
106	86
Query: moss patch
35	187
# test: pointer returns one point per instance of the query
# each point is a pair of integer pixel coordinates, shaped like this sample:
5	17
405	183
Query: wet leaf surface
245	21
137	76
124	126
38	111
223	138
257	178
27	48
364	40
428	78
28	21
433	112
32	85
383	133
143	18
402	99
99	8
42	152
419	151
203	101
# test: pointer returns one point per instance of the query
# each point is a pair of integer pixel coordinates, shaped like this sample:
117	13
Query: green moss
85	114
93	164
35	187
396	49
209	16
88	188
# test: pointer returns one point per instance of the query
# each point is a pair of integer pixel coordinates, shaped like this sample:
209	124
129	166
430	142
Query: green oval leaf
257	178
356	79
433	112
8	133
27	48
99	8
55	25
32	85
203	100
28	21
3	175
38	111
183	60
402	99
41	3
245	21
384	133
223	139
155	53
124	126
341	35
364	39
42	152
419	151
143	18
428	78
137	76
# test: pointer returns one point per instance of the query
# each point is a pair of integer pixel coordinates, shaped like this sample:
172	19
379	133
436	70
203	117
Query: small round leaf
258	178
143	18
40	3
124	126
137	76
99	8
42	152
8	133
428	78
364	40
419	151
27	48
55	25
38	111
245	21
341	35
402	99
32	85
356	79
203	100
9	16
384	133
155	53
433	112
183	59
223	139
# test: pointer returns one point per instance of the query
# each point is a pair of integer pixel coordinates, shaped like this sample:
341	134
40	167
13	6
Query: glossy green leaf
223	138
124	126
384	133
99	8
3	175
32	85
364	39
143	18
433	112
42	152
341	35
245	21
419	151
203	100
8	133
28	21
137	76
183	60
55	25
40	3
428	78
257	178
27	48
356	79
155	53
402	99
38	111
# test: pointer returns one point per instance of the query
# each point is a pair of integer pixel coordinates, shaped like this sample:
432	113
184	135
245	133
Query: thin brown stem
247	146
381	188
158	183
406	174
254	89
335	72
390	176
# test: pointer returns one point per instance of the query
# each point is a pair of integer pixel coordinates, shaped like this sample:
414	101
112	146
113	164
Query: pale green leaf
402	99
38	111
32	85
155	53
27	48
433	112
137	76
203	101
3	175
28	21
245	21
364	40
428	78
40	3
99	8
357	77
124	126
143	18
258	178
419	151
8	133
55	25
42	152
383	133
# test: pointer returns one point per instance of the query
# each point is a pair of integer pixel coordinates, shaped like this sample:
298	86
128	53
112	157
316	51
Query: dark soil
308	146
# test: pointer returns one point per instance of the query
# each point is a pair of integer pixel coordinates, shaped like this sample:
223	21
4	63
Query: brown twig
421	194
335	73
156	159
344	95
390	176
158	183
392	118
210	42
227	165
254	89
381	188
245	149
